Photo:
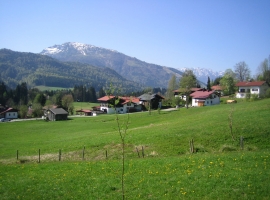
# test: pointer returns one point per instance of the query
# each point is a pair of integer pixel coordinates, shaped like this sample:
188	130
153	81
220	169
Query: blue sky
214	34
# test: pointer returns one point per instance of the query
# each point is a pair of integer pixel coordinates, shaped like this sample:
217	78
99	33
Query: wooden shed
56	114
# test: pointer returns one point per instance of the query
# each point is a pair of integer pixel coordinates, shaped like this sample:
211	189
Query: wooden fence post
191	145
83	152
138	152
59	154
38	155
242	142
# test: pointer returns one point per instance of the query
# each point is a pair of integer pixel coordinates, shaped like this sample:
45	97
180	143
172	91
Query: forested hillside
36	69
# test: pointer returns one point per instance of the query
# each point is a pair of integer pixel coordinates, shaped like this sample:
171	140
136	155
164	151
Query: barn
55	114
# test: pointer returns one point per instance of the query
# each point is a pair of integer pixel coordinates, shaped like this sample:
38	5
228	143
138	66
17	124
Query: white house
251	87
123	105
204	98
9	113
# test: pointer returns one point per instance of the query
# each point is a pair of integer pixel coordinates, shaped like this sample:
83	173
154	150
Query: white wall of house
109	110
259	90
11	115
181	97
120	110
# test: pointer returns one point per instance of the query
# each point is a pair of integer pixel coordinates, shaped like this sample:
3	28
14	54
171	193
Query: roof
106	98
191	89
201	94
9	110
59	111
129	99
250	83
123	100
84	110
217	87
147	97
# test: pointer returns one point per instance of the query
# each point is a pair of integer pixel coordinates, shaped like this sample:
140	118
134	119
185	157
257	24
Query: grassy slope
43	88
167	171
84	105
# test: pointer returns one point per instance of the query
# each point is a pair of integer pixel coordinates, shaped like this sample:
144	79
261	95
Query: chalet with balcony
251	87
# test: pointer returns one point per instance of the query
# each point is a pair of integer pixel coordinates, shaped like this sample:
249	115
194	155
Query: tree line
31	101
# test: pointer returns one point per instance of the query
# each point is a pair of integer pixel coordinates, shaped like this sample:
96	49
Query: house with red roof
205	98
218	88
112	104
251	87
86	112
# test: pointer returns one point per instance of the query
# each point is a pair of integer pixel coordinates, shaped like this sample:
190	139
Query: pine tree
208	84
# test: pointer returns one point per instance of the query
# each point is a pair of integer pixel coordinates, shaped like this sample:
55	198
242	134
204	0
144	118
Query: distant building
218	88
205	98
154	99
8	113
251	87
123	104
55	114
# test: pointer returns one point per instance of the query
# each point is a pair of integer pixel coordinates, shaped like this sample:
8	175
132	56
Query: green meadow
84	105
158	162
48	88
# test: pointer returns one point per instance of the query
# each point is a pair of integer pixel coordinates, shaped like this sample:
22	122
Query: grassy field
43	88
219	169
84	105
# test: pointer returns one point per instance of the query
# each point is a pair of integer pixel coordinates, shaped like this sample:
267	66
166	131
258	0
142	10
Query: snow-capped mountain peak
75	47
203	73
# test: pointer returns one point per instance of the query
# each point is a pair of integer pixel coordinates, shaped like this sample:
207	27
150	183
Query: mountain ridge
151	75
37	69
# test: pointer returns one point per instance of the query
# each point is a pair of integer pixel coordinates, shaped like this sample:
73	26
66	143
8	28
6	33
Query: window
255	90
242	90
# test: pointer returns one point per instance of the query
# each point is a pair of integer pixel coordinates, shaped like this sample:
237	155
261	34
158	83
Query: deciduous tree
67	102
40	98
187	82
228	82
242	71
264	72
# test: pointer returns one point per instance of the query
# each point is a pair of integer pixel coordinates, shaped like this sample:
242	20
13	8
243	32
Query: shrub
225	148
254	97
267	94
